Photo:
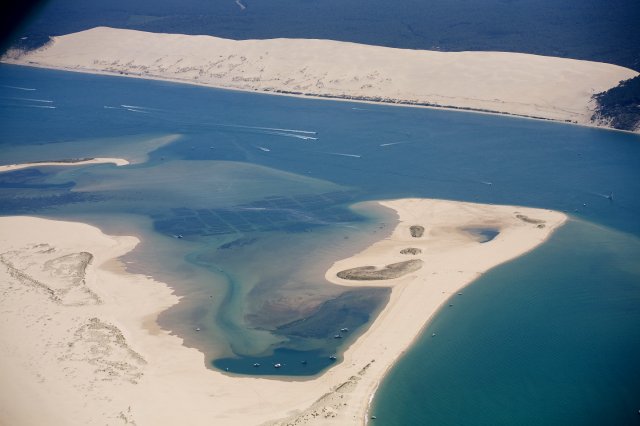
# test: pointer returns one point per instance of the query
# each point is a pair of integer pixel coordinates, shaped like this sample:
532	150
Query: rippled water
245	201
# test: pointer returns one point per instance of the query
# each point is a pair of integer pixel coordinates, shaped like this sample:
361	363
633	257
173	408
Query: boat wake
129	108
393	143
275	129
30	106
31	100
345	155
292	135
18	88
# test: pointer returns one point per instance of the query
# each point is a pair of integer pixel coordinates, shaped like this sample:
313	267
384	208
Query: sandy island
79	343
497	82
67	163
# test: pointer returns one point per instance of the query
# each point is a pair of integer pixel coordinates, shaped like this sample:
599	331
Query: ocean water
246	199
551	338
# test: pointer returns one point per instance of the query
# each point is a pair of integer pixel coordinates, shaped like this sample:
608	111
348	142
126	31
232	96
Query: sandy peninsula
66	163
498	82
79	344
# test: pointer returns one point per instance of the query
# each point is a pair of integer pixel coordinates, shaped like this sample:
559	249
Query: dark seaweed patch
240	242
301	213
19	205
351	310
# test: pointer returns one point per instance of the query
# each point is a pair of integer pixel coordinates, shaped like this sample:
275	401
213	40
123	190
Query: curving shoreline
149	372
67	163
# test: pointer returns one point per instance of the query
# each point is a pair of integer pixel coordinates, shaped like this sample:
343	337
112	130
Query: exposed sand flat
511	83
78	345
67	163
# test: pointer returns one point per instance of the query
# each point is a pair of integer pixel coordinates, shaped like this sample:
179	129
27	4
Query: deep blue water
262	210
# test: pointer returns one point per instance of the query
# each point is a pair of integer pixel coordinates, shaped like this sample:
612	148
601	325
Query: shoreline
392	102
66	163
502	83
54	325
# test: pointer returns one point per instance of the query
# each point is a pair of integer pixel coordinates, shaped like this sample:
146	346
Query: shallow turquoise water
262	210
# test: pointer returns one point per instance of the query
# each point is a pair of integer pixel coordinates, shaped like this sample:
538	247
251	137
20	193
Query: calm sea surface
244	201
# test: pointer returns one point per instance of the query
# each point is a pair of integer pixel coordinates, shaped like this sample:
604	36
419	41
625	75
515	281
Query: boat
337	336
256	364
333	357
344	330
278	365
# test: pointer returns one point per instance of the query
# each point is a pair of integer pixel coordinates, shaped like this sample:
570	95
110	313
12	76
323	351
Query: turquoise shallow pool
249	204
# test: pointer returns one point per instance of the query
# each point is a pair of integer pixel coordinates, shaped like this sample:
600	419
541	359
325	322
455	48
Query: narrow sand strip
496	82
78	341
66	163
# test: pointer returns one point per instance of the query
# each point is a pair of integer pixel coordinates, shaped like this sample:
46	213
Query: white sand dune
79	344
509	83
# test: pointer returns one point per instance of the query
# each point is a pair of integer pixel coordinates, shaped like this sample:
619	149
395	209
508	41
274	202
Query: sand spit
77	340
67	163
499	82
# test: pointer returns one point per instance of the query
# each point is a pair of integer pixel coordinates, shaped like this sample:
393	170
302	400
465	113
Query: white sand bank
508	83
76	346
116	161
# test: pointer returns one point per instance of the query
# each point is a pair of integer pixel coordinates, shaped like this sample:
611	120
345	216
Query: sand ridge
498	82
86	361
64	163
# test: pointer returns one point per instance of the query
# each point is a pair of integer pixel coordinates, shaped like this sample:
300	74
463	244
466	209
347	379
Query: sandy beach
80	343
65	163
496	82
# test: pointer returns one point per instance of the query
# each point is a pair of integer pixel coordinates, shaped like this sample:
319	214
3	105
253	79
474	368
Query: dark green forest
620	105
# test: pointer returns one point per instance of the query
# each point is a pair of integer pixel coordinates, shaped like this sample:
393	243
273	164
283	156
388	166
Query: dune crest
498	82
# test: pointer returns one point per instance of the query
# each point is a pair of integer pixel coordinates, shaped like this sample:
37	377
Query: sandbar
76	347
66	163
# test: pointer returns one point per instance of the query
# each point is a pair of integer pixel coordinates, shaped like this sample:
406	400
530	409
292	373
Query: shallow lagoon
258	187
